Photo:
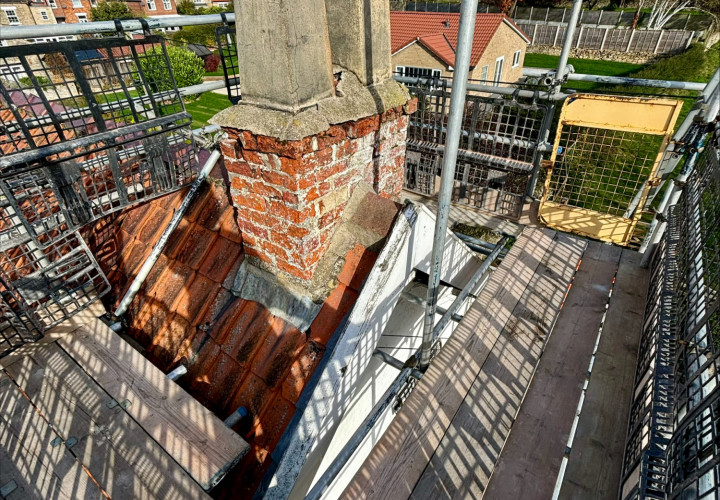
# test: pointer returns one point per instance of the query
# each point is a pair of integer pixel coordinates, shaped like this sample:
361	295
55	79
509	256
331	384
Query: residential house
78	11
154	8
16	13
423	44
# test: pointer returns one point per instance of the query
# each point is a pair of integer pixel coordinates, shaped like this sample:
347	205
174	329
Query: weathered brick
252	157
249	200
298	272
240	183
228	147
274	249
241	167
411	106
248	140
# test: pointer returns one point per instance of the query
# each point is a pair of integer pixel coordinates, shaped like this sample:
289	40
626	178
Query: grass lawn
586	66
205	107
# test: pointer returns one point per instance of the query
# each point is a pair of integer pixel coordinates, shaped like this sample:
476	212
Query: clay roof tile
438	32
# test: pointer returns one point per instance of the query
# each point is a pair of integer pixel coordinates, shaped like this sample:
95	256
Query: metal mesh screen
17	325
62	91
673	447
87	127
225	36
602	170
497	147
56	280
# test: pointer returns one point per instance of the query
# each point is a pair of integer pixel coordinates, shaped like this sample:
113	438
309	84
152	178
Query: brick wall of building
72	9
504	43
28	15
291	195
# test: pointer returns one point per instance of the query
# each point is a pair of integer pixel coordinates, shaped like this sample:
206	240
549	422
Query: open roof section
237	352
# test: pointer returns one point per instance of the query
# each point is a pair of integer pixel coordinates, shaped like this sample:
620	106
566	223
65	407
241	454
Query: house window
221	4
199	2
77	4
498	70
93	3
12	16
151	5
167	5
415	72
516	59
52	4
484	73
44	15
82	18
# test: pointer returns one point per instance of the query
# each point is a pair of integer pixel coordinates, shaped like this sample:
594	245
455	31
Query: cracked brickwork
290	195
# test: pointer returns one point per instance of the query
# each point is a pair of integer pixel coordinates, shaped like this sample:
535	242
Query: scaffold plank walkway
444	441
595	461
186	430
87	416
80	410
530	461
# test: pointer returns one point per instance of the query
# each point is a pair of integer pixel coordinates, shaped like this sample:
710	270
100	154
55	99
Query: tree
114	9
187	68
186	7
664	10
202	34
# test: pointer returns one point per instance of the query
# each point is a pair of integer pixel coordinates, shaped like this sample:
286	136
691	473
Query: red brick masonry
290	195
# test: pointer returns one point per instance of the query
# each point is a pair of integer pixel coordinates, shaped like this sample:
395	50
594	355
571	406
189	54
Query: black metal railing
673	445
498	147
88	127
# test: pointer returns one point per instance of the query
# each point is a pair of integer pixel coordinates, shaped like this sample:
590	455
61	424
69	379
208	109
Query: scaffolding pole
466	31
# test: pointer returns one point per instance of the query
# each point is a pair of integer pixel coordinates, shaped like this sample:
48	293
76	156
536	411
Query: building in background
424	44
26	13
78	11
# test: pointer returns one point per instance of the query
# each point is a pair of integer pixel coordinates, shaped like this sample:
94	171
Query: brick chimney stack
320	113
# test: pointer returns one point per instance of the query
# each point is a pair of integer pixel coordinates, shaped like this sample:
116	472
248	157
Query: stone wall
290	195
603	55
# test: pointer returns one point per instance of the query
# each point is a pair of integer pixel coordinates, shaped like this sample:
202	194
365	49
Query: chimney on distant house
319	114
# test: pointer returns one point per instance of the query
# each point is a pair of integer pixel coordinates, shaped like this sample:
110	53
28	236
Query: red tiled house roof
237	353
437	31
